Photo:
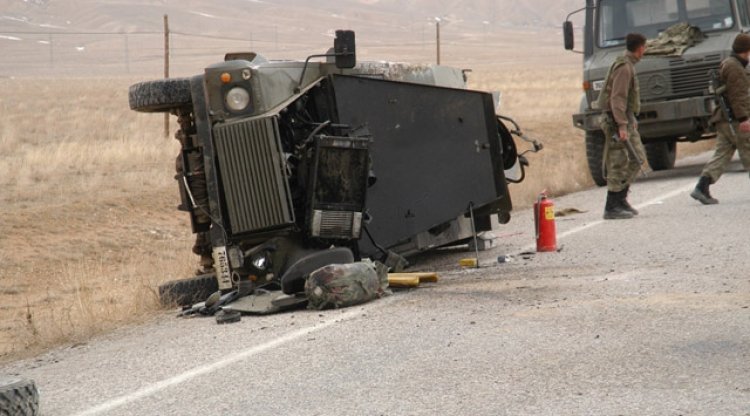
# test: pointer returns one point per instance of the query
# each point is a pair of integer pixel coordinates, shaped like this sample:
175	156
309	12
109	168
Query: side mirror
568	37
344	49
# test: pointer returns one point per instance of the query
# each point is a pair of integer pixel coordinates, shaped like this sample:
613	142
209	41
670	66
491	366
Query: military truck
676	103
289	166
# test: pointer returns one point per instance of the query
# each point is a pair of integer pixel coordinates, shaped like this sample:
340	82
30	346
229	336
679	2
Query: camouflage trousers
726	144
620	168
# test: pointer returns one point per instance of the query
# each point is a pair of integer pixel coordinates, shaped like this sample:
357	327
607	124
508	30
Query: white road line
679	191
229	360
669	195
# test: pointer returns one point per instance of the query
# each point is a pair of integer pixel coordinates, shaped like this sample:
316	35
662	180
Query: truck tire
18	396
661	155
160	96
595	155
188	291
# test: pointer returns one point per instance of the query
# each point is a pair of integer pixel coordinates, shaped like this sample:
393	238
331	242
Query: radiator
253	176
336	224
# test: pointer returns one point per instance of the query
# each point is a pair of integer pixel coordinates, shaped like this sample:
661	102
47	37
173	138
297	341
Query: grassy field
89	227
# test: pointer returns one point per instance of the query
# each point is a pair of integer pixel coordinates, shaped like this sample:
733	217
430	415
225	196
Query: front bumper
673	118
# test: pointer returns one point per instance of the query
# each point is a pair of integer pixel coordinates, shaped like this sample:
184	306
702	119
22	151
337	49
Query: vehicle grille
681	80
691	80
252	175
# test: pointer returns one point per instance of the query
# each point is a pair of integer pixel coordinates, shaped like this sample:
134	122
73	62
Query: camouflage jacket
732	74
674	40
341	285
621	95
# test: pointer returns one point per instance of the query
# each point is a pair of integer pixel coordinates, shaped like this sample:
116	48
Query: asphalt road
648	316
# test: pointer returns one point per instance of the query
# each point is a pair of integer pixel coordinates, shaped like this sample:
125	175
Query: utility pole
437	36
166	68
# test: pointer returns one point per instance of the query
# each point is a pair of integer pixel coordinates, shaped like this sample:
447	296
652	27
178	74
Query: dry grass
89	227
89	224
73	137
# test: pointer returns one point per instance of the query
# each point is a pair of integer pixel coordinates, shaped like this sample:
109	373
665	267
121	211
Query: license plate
221	264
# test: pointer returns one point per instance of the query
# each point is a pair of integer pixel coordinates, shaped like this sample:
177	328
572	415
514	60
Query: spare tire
18	396
160	96
188	291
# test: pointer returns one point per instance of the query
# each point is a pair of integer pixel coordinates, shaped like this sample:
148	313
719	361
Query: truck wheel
18	396
160	96
188	291
595	155
661	155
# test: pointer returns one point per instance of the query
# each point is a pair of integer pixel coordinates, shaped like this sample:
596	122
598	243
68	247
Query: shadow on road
688	170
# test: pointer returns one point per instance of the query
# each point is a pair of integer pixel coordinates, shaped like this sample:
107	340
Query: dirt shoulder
76	269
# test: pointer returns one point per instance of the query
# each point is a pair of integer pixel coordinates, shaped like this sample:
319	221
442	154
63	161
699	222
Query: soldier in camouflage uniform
732	75
621	102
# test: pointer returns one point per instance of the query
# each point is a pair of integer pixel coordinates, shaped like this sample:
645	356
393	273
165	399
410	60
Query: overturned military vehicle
290	166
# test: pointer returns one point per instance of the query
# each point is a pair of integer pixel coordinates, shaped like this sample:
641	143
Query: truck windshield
617	18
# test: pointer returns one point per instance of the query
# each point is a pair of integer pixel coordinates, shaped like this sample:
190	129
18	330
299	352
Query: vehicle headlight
260	261
237	99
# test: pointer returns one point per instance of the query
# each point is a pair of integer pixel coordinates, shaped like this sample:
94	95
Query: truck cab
675	102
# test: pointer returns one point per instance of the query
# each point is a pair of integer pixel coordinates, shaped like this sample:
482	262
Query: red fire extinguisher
544	220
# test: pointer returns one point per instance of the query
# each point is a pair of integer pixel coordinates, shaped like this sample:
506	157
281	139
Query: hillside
125	37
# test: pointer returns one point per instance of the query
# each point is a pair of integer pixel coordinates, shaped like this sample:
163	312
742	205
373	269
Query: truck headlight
237	99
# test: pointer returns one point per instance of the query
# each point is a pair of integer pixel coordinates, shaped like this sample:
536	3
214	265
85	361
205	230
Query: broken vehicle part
266	301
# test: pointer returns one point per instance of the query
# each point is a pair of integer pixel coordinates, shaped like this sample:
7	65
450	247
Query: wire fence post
437	40
51	52
127	54
166	68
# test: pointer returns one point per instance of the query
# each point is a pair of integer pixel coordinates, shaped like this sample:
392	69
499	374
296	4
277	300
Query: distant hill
62	34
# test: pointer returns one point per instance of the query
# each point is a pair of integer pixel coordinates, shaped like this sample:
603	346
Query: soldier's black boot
701	193
613	209
624	201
